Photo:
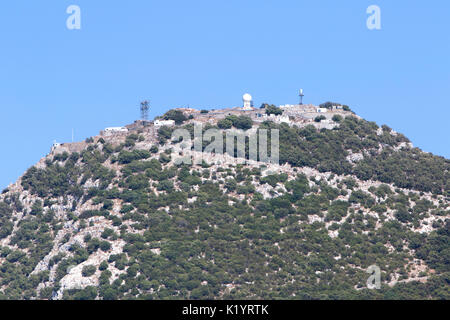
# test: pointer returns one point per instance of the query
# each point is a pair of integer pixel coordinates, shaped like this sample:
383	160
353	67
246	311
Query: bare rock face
355	157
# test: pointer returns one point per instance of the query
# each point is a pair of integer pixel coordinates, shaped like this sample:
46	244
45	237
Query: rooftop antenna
145	106
301	95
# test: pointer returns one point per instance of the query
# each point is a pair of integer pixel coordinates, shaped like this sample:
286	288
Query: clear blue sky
206	54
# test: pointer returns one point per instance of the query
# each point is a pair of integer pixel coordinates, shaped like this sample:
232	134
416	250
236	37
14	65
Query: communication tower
145	106
301	95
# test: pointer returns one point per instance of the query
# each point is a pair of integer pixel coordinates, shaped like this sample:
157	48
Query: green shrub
176	115
225	124
319	118
88	270
272	109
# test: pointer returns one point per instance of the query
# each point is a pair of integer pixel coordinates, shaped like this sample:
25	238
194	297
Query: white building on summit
248	102
116	129
55	145
113	130
160	123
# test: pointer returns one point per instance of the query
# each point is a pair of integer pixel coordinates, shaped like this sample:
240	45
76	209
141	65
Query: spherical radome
247	97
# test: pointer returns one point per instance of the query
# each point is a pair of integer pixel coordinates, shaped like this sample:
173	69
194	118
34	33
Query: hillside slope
115	218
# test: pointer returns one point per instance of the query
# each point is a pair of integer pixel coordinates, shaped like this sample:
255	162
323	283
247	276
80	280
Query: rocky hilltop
115	216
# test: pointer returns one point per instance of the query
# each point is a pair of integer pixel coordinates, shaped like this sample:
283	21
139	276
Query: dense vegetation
231	231
239	122
327	150
175	115
272	109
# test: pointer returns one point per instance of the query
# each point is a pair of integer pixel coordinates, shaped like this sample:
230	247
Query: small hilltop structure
300	115
248	102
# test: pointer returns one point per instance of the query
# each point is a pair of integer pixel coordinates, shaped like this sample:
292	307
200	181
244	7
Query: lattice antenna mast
145	106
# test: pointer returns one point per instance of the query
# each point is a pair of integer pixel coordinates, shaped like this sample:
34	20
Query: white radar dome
247	97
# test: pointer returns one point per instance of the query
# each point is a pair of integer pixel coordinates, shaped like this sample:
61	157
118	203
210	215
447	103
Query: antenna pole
301	95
